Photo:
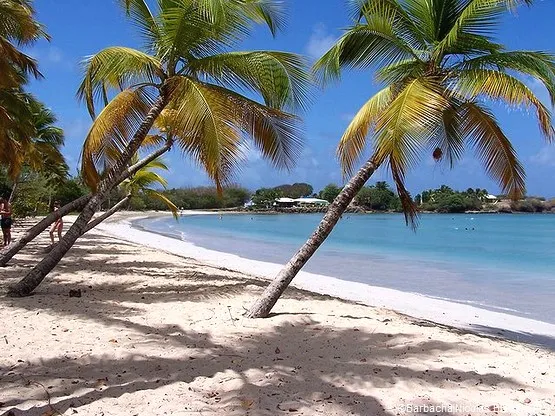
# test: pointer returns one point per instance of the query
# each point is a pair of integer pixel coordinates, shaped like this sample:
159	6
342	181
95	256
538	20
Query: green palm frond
536	64
353	141
402	21
211	123
17	22
279	77
373	43
116	68
403	126
161	197
145	178
187	63
265	11
479	17
141	16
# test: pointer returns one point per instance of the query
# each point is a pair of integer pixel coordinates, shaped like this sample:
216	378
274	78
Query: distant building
311	201
285	202
492	199
248	204
299	202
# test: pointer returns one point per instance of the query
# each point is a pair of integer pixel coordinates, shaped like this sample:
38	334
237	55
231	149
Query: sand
154	333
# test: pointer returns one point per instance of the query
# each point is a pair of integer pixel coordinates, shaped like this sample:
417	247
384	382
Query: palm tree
140	182
17	28
186	68
41	152
17	25
440	66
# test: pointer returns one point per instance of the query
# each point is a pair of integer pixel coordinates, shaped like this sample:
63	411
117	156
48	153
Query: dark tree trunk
107	214
262	307
39	227
76	205
34	278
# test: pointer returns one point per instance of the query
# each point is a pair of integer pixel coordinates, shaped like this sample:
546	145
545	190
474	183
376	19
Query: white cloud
320	41
546	156
54	55
347	117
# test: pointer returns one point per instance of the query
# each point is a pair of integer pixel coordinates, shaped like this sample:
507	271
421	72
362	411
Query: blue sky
81	28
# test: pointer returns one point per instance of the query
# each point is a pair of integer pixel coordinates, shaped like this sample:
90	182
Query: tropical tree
440	66
17	28
41	151
140	182
330	192
186	68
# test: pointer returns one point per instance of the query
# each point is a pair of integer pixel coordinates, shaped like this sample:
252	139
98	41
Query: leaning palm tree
186	68
140	182
440	67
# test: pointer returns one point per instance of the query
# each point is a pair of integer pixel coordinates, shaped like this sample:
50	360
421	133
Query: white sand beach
159	330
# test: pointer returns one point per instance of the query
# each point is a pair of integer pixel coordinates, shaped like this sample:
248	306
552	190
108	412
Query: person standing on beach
58	225
6	220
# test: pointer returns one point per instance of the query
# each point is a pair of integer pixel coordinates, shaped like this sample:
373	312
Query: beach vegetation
330	192
204	197
185	88
378	197
264	198
296	190
439	66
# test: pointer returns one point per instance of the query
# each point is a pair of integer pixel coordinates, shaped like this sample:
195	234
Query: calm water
499	262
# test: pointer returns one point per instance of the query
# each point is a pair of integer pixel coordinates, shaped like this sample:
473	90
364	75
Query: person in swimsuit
57	226
6	220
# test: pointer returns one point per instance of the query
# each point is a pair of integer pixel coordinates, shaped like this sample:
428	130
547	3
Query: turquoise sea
502	262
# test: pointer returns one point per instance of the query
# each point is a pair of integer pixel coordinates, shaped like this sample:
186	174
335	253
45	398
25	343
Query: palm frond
116	68
161	197
478	17
110	133
493	148
354	139
393	10
497	85
448	136
212	123
281	78
18	23
402	128
537	64
269	12
399	72
139	13
374	43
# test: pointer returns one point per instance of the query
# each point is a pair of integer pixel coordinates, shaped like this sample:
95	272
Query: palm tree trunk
75	205
107	214
39	227
12	193
34	278
262	307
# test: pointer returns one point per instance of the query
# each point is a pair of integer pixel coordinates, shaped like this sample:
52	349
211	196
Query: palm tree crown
187	63
440	66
